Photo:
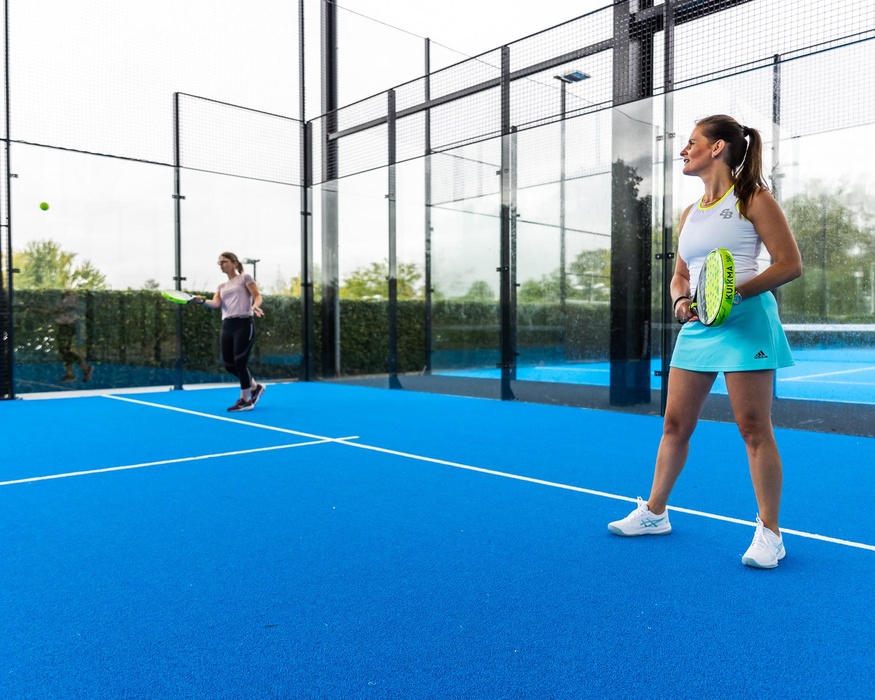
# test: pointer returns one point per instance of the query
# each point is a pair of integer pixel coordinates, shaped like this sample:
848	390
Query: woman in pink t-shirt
239	300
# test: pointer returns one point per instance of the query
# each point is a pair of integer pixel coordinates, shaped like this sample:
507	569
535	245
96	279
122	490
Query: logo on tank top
726	213
760	356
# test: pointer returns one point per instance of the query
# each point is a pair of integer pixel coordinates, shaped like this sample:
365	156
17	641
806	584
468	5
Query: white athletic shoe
766	550
641	522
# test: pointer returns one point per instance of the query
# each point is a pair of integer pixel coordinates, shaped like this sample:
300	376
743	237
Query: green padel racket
177	297
712	301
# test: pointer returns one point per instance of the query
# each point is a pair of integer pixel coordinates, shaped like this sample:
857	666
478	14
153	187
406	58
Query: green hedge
138	329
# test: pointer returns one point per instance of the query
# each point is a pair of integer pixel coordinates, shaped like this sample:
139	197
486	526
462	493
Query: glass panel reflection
86	311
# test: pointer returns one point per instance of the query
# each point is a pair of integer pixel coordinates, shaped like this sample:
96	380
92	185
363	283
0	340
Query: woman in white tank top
739	213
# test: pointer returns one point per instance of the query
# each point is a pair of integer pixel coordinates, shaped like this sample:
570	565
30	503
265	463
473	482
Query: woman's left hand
257	311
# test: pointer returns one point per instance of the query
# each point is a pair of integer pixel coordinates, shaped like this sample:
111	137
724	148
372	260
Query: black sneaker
241	405
257	393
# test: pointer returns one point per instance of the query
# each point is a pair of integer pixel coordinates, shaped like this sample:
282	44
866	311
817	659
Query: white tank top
720	225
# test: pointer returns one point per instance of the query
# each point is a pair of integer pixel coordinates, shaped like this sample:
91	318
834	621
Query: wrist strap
674	305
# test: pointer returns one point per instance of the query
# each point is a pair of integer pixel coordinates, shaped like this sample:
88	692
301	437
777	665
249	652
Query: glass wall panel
86	312
411	228
465	256
563	259
260	223
363	257
827	113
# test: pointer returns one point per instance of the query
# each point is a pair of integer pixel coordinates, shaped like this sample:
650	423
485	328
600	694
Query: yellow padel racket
715	292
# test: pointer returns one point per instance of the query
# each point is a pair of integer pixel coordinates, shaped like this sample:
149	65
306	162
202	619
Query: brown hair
233	258
744	155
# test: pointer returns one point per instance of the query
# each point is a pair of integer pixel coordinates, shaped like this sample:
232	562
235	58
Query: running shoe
241	405
641	522
766	550
257	393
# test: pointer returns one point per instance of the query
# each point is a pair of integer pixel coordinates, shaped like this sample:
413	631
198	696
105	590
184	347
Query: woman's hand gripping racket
715	291
178	297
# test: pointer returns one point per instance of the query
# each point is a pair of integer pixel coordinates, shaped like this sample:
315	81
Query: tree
836	236
590	275
371	283
293	288
479	291
44	265
543	290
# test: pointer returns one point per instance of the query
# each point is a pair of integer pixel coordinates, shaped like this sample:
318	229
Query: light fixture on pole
254	263
564	81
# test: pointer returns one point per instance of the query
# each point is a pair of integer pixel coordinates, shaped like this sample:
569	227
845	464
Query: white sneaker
641	522
766	550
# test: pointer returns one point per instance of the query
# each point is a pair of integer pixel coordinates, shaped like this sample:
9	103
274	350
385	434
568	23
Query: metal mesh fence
623	55
751	34
230	140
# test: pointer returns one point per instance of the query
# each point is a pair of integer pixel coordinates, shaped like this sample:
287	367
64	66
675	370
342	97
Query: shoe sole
747	561
618	531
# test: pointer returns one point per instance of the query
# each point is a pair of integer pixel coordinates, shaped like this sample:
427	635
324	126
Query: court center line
602	494
457	465
178	460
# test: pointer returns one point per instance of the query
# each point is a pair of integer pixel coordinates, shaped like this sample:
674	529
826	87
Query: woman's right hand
683	313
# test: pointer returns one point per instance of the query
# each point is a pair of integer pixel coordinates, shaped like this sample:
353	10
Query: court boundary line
156	463
602	494
347	441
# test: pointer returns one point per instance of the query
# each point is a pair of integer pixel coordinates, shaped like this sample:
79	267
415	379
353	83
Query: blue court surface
349	542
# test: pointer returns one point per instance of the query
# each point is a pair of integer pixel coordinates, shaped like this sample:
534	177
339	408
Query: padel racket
716	289
177	297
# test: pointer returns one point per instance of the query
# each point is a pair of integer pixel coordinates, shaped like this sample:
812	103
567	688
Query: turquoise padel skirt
752	338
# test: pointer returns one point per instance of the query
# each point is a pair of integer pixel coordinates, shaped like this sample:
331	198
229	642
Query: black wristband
674	305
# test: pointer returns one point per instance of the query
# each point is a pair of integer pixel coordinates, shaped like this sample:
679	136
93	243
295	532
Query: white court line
321	438
318	439
806	377
178	460
567	487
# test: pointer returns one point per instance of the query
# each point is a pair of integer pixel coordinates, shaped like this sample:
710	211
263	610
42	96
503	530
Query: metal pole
507	310
776	127
668	254
9	288
393	249
331	346
563	277
307	301
8	321
429	347
306	178
178	278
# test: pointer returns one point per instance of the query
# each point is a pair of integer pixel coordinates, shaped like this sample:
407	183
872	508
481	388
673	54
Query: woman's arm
256	298
214	303
771	226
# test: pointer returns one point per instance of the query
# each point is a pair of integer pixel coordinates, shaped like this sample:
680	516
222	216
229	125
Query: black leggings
238	337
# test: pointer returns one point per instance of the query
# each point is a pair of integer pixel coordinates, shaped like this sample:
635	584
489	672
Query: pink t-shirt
235	297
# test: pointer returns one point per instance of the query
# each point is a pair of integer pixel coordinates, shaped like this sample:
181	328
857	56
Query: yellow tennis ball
44	206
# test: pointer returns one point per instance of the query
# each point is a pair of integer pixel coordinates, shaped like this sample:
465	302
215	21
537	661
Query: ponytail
744	155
